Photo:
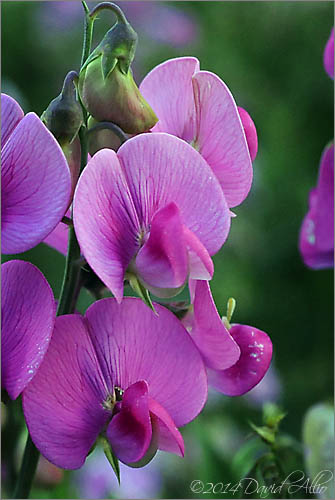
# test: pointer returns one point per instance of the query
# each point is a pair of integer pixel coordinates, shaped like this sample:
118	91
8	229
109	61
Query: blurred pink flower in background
328	55
316	242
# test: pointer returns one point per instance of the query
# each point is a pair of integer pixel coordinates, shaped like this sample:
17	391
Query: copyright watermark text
250	486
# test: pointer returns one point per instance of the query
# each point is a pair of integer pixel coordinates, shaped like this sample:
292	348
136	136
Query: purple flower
120	370
35	179
154	209
199	108
316	241
328	55
27	319
236	359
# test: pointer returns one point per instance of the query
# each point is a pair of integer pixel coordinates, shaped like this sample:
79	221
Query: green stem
109	6
28	468
88	31
109	126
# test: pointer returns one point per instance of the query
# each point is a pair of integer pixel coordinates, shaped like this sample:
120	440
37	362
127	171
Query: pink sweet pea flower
27	318
328	55
198	107
236	359
121	371
154	209
35	179
316	241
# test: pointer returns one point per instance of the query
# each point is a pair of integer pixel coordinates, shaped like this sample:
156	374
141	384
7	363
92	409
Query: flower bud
64	115
106	85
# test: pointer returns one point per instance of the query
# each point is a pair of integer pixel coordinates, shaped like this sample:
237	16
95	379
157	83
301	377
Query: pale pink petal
162	260
200	264
133	344
168	90
36	185
63	403
256	353
170	438
221	138
27	318
250	132
212	338
105	220
11	115
161	169
130	431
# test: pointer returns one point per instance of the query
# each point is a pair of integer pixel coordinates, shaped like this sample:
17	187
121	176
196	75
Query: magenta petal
328	55
324	231
221	139
170	438
256	353
130	431
162	261
316	240
250	132
132	344
173	100
105	220
11	115
27	318
200	264
63	403
35	185
212	338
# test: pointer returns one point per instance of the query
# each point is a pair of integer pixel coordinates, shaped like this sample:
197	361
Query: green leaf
272	415
141	291
267	434
111	457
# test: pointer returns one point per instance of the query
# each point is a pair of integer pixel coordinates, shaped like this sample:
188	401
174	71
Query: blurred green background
270	56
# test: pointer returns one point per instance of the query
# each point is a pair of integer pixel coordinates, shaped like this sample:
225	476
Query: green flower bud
64	115
106	85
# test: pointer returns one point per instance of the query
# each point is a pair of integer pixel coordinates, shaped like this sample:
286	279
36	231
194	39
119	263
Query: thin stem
88	31
109	6
28	468
109	126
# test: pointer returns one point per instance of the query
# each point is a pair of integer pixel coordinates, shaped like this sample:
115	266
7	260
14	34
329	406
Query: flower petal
256	353
170	438
105	219
200	264
250	132
212	338
328	55
133	344
162	261
63	404
28	316
11	115
168	90
221	139
324	231
35	185
130	431
316	240
161	169
58	238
